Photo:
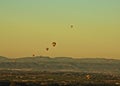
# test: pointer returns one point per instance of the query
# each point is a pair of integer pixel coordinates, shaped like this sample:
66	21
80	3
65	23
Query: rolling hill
41	63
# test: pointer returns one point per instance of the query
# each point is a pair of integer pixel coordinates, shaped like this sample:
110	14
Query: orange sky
28	27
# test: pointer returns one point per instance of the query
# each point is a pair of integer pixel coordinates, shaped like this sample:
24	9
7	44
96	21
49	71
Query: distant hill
2	59
41	63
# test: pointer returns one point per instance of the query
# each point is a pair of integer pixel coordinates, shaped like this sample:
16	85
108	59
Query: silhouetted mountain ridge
41	63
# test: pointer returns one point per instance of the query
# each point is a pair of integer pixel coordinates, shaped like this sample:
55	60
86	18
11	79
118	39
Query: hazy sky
29	26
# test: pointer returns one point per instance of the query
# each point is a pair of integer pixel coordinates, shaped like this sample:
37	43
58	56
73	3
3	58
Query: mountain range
42	63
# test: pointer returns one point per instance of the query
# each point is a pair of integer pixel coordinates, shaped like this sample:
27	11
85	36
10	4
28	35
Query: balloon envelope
33	54
47	49
71	26
54	44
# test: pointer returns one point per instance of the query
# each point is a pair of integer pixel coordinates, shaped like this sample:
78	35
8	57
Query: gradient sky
29	26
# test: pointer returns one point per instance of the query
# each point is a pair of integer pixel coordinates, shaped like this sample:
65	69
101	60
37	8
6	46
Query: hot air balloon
47	49
33	55
71	26
54	44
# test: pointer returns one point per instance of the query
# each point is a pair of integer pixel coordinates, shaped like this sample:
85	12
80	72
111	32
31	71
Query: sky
28	27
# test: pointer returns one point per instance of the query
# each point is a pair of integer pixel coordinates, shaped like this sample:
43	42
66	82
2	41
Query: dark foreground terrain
59	71
37	78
